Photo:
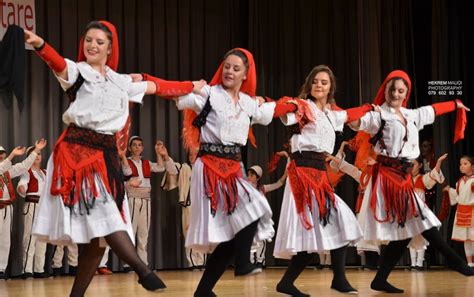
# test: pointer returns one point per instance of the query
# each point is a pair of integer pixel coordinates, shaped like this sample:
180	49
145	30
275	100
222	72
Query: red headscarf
113	59
249	87
380	97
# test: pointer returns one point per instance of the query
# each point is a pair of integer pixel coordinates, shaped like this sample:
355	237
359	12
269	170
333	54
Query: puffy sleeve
263	114
289	119
136	91
371	122
433	177
453	196
20	168
424	116
340	119
72	74
194	101
5	165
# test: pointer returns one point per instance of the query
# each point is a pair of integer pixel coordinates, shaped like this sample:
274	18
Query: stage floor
433	283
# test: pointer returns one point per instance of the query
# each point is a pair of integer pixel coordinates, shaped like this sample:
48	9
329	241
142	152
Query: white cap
29	150
2	149
133	138
257	169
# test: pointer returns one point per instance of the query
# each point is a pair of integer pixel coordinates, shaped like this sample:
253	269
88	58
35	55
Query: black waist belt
32	198
309	159
232	152
402	165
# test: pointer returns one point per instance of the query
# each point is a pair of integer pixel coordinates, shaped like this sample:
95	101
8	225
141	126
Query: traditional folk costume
227	211
33	251
258	249
422	184
463	229
7	196
139	198
313	218
391	209
195	259
85	196
5	164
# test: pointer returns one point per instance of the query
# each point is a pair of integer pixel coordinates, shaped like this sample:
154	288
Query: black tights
395	250
91	254
218	261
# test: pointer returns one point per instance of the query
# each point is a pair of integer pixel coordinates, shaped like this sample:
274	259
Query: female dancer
84	199
313	218
391	210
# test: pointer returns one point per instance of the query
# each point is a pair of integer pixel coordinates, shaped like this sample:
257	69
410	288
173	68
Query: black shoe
127	269
41	275
27	275
211	294
152	282
419	268
72	270
290	290
56	272
384	286
3	276
343	286
247	270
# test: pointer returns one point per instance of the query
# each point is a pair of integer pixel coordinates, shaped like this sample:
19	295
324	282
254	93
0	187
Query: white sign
17	12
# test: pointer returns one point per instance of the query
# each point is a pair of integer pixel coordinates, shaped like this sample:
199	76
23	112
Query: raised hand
440	161
198	85
136	77
40	144
33	39
459	104
18	151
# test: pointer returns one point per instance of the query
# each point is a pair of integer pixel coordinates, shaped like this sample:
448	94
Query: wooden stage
433	283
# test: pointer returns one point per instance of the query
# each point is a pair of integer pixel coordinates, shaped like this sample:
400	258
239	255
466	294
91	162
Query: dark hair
100	26
420	162
307	85
468	158
392	86
239	54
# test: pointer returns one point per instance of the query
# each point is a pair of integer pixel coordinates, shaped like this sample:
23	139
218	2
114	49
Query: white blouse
102	101
394	132
318	136
228	122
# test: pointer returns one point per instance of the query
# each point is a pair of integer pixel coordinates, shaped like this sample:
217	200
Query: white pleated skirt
206	231
342	228
376	233
59	224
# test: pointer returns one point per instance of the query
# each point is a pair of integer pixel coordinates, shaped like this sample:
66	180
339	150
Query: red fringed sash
220	181
79	155
445	207
398	194
306	181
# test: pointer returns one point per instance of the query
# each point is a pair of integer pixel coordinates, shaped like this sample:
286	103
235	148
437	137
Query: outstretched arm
54	60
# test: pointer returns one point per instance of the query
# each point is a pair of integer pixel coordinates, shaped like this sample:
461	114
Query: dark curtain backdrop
361	40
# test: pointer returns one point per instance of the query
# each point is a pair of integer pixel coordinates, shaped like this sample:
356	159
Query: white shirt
5	165
102	101
465	196
25	179
394	131
318	136
228	122
17	170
